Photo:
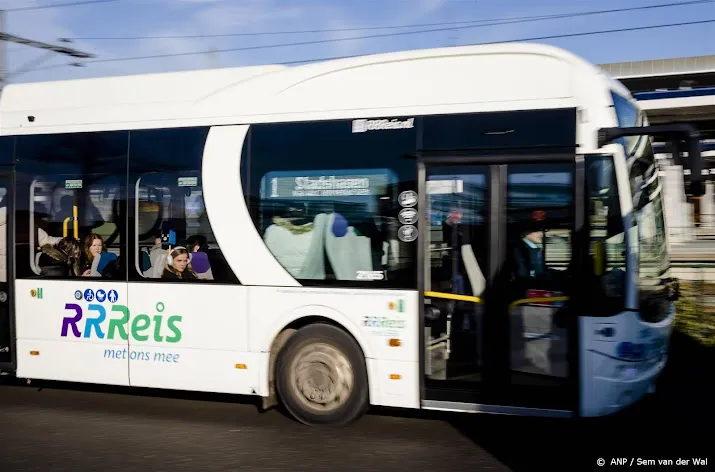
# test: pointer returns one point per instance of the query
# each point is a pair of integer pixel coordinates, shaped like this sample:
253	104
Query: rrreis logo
362	126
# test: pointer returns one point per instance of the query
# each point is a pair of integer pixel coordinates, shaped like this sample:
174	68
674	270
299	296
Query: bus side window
335	206
71	186
169	207
171	212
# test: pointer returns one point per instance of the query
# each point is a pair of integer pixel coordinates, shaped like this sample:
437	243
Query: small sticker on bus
188	181
369	275
77	183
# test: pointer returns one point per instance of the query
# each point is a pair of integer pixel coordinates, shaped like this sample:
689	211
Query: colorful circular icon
160	307
101	295
89	295
33	292
78	295
113	296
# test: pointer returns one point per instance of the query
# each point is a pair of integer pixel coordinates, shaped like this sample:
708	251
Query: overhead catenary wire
331	40
58	5
468	24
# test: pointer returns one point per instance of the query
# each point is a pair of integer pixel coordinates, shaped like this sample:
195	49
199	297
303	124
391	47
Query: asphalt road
105	429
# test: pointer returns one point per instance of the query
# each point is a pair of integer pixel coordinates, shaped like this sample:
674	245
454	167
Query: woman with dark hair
93	247
197	243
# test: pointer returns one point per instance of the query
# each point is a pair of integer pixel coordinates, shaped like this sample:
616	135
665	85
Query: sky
89	26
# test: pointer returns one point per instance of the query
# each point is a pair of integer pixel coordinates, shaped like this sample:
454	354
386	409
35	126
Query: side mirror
676	133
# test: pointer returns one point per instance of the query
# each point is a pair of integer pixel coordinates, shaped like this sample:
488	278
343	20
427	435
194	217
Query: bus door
498	245
7	339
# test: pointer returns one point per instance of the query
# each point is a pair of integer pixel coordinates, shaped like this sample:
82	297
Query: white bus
474	229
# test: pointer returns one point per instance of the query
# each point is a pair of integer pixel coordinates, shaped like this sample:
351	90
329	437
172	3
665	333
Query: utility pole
10	38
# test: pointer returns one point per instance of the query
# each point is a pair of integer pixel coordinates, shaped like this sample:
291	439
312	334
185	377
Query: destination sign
326	185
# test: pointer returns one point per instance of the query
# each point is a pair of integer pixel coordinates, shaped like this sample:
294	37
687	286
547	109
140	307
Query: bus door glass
540	210
455	257
498	271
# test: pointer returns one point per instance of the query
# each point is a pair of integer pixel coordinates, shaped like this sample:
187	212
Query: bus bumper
617	385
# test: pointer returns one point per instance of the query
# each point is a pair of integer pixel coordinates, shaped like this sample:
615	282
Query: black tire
313	339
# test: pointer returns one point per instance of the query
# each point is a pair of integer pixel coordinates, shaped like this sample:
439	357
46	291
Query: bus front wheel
321	376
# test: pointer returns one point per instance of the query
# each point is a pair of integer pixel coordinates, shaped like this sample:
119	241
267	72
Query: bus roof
429	81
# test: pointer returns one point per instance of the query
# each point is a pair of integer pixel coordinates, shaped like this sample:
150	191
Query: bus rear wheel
321	376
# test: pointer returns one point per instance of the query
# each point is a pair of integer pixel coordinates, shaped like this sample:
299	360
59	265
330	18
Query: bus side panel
372	317
72	331
195	338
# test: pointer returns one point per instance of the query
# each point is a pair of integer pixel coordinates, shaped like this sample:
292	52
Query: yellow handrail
75	225
466	298
453	296
526	301
75	215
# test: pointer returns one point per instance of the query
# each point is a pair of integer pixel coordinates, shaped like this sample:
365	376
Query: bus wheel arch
343	343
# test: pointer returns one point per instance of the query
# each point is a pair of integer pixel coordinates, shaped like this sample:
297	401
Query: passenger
93	247
178	266
197	243
64	258
530	261
199	247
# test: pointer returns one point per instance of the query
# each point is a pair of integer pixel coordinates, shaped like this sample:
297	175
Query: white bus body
361	299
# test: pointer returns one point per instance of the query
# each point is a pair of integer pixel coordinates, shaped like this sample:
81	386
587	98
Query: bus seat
300	252
201	265
100	263
220	270
474	273
200	262
347	252
145	261
158	262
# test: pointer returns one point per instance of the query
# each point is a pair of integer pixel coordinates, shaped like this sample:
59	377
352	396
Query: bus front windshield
646	190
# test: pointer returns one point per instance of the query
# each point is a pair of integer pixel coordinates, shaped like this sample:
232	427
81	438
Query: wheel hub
323	377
